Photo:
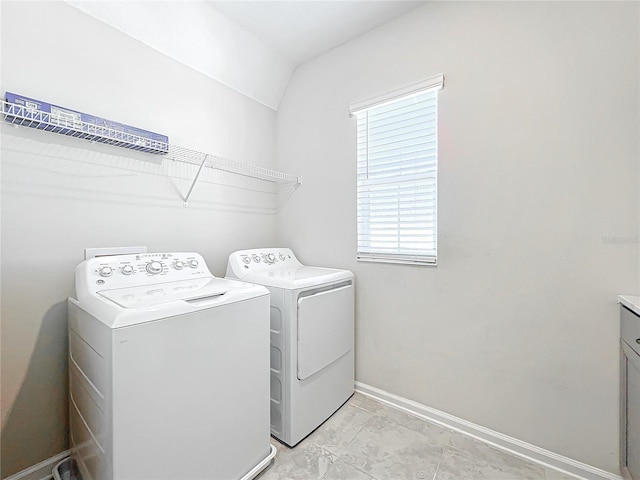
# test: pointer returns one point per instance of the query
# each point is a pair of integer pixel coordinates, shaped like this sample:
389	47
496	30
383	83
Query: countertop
632	302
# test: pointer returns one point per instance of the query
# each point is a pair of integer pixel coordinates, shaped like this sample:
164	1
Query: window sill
423	262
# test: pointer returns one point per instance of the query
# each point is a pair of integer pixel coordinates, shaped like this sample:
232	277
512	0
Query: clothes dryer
312	337
169	371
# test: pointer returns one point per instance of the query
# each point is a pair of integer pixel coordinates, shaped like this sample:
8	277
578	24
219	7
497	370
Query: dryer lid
160	293
296	277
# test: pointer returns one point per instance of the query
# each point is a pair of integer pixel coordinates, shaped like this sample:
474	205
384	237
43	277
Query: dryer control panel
260	259
120	271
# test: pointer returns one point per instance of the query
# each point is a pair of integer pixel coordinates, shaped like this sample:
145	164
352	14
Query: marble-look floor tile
385	449
471	446
455	465
551	474
340	470
307	461
368	440
493	464
498	465
507	467
436	434
363	401
339	430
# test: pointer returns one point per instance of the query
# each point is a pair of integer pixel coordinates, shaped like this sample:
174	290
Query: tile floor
367	440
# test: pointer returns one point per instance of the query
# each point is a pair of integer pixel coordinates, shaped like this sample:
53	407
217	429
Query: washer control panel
260	259
119	271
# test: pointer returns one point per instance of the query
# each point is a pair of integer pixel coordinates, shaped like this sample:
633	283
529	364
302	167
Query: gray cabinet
630	394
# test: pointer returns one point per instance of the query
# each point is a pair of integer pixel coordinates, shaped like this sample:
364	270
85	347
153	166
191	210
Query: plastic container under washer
66	470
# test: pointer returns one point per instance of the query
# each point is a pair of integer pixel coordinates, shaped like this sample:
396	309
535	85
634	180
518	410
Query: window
397	161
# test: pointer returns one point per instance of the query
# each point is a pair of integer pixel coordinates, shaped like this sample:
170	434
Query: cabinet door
633	414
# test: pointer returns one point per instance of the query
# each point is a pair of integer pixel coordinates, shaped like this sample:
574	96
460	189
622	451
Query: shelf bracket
195	179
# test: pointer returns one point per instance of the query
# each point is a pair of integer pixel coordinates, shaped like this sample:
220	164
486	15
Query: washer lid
296	277
150	295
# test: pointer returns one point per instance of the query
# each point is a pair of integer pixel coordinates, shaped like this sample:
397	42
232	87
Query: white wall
60	195
516	329
196	34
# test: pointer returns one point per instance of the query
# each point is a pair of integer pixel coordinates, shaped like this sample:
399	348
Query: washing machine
312	337
169	371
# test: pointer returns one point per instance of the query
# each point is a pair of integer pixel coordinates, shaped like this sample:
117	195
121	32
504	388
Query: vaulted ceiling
302	30
251	46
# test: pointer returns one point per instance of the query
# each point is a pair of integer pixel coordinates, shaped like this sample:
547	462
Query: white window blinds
397	159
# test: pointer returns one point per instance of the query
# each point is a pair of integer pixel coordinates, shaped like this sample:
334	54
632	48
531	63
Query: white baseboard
40	471
511	445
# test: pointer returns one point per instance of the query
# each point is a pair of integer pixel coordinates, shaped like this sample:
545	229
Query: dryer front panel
325	327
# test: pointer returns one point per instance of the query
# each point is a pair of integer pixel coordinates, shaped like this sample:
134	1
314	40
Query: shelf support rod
193	184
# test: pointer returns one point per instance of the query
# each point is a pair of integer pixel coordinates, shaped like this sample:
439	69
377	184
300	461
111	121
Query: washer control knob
271	257
282	257
127	270
256	258
154	268
178	264
106	271
193	263
246	259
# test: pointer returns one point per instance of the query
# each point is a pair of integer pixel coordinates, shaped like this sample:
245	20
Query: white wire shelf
21	115
194	157
202	160
69	125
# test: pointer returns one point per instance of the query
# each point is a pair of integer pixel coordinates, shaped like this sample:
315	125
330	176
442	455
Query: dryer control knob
127	270
178	265
246	259
154	268
271	257
256	258
193	263
282	257
106	271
